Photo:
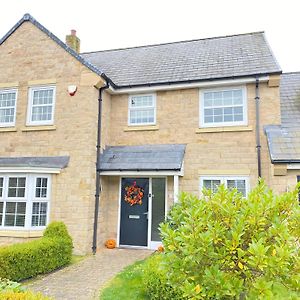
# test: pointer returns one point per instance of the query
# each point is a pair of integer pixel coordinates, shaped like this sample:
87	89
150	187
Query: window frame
31	91
130	108
29	199
223	179
9	90
202	124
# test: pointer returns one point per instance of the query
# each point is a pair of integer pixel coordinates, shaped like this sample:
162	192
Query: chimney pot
73	32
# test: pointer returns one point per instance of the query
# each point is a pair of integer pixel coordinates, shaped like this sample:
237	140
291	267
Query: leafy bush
10	295
8	285
53	250
155	280
226	247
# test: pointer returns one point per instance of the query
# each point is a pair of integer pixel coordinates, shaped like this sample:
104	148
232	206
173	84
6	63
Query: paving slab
82	281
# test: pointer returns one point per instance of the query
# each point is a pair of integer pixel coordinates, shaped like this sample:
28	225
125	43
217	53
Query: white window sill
224	129
142	128
21	233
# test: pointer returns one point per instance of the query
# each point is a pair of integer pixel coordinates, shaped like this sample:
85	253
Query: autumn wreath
134	194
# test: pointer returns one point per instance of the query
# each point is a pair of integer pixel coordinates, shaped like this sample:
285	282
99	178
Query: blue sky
123	23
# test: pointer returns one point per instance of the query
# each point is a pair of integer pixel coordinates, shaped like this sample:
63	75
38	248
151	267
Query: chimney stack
73	41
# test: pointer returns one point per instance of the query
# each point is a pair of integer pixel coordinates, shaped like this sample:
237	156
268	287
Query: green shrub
226	247
155	280
57	229
22	261
8	285
10	295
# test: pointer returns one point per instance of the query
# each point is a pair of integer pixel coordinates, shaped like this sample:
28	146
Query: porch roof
167	157
55	162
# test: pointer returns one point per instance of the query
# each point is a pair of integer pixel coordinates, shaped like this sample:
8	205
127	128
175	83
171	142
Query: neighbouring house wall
209	151
29	57
283	183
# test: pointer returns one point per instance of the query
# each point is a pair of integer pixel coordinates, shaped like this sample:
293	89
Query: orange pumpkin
160	249
110	244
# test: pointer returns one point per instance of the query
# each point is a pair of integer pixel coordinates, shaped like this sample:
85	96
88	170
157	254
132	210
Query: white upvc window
223	107
41	104
24	201
241	183
142	109
8	104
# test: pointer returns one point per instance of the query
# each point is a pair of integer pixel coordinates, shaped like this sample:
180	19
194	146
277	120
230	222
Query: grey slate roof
180	62
284	139
205	59
29	18
57	162
290	99
142	158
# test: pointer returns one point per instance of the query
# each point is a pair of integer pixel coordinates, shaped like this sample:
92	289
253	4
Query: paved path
83	280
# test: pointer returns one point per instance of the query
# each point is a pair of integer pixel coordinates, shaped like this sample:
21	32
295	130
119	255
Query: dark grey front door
134	216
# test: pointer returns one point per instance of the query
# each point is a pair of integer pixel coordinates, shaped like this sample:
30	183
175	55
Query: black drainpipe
258	145
97	193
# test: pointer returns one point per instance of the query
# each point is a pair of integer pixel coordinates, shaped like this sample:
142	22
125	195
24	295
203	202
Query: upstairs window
142	110
223	107
230	182
8	101
41	105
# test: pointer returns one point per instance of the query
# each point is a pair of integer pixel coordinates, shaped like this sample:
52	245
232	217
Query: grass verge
126	285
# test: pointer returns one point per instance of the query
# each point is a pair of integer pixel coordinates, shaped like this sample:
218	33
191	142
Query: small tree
224	246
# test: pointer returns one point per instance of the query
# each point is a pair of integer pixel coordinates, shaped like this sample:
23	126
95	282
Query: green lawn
126	285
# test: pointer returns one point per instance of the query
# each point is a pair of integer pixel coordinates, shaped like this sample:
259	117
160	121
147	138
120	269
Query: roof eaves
196	80
28	18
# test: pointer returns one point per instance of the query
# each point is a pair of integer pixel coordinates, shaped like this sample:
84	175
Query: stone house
105	141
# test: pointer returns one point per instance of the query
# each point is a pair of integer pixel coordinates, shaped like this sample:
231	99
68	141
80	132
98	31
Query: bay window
24	201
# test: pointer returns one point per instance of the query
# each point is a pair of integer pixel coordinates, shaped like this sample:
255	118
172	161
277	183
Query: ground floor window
24	200
241	183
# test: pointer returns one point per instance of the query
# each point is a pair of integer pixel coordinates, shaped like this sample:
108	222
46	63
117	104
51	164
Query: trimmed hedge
25	260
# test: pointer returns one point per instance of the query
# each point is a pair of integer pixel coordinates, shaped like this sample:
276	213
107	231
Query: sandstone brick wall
207	153
28	57
178	122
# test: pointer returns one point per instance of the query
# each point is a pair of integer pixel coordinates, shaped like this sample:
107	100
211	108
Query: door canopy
142	158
